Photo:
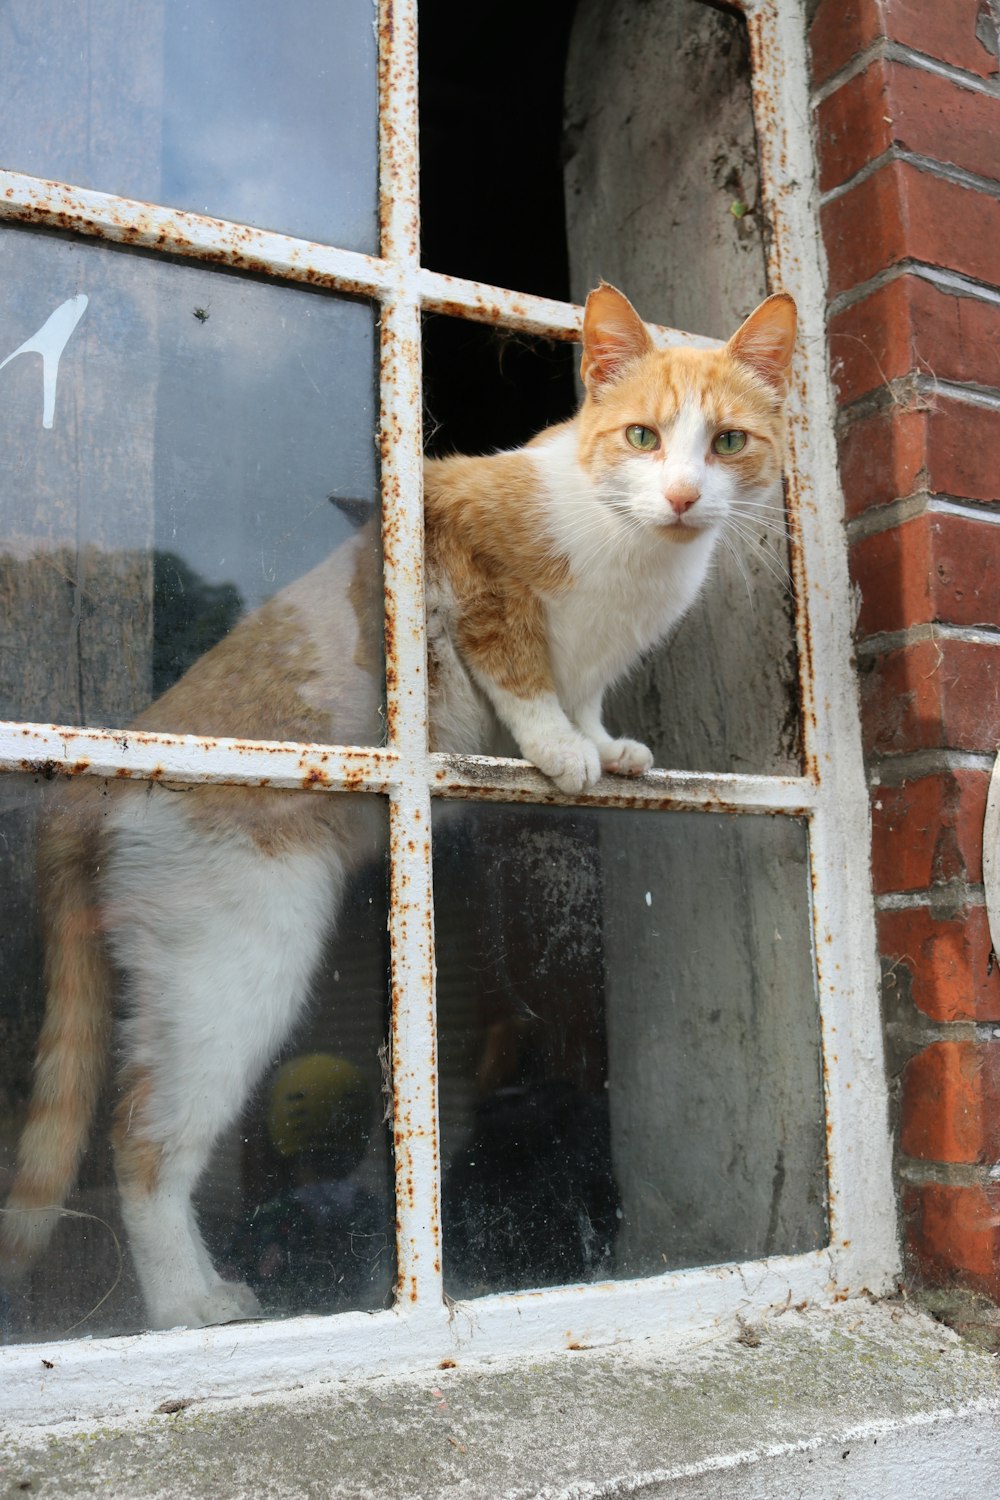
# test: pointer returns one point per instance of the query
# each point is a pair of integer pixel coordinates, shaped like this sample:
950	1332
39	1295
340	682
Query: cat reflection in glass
550	570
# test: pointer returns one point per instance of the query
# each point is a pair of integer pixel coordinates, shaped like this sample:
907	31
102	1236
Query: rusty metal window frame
424	1325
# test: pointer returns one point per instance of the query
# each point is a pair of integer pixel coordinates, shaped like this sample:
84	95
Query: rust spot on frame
314	777
48	769
196	237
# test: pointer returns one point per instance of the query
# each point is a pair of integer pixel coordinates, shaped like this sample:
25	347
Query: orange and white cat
550	570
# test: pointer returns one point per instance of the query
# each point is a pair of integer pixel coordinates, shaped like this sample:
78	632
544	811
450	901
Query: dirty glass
630	1070
181	447
296	1198
233	108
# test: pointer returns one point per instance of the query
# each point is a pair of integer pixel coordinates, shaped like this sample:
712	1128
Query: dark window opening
492	210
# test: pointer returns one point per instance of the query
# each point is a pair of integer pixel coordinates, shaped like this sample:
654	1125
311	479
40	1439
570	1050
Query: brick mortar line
890	154
971	392
912	765
915	1170
881	642
919	1035
943	898
904	508
944	170
885	49
952	894
916	392
939	276
902	392
956	282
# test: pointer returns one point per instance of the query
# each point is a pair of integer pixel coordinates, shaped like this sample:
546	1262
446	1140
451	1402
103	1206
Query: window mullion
49	750
411	929
174	231
859	1158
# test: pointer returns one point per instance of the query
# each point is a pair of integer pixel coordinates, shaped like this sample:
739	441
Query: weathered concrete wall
714	1075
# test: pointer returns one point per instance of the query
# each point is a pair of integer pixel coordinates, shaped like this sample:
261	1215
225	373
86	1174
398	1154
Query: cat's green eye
728	443
643	438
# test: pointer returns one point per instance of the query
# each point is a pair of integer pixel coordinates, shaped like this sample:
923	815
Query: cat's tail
70	1061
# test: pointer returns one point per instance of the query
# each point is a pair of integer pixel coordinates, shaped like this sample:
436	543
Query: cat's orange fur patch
248	686
72	1047
486	535
138	1158
653	391
254	684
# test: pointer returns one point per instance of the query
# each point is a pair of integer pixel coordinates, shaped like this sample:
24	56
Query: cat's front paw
572	763
626	758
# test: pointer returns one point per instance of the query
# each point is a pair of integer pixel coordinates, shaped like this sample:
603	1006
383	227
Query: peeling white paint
991	856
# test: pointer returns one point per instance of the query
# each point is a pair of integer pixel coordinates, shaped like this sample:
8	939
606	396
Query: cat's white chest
600	629
629	588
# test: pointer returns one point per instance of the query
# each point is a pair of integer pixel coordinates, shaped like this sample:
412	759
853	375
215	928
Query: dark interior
492	210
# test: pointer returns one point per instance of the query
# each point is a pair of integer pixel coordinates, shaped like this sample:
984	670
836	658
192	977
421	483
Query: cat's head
675	439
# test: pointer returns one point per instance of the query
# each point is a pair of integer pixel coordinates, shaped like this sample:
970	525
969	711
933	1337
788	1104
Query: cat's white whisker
760	548
734	554
769	528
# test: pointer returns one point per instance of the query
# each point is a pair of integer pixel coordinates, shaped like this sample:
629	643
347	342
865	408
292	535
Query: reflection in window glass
629	1043
211	444
231	108
295	1198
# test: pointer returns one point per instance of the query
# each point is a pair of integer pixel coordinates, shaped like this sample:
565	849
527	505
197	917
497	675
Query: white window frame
102	1376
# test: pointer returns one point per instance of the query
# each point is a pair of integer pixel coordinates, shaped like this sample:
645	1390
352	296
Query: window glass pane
721	694
629	1043
244	1049
646	176
234	108
210	443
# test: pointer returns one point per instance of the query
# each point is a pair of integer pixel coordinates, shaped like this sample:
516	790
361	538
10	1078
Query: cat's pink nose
681	497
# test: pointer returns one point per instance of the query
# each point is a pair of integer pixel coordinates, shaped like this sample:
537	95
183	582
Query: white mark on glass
50	341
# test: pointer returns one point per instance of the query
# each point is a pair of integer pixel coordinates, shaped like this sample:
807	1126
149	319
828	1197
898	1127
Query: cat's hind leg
156	1180
218	968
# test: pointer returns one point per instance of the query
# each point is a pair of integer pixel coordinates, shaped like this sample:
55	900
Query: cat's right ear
614	336
766	341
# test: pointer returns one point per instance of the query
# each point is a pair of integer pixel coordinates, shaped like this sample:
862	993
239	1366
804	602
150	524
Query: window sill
874	1398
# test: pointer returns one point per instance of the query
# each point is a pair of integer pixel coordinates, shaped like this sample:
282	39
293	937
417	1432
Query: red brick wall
907	123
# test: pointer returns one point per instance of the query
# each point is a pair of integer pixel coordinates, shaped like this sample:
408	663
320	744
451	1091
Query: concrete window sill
879	1401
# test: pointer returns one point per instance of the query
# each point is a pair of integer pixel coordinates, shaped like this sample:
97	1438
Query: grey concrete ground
865	1401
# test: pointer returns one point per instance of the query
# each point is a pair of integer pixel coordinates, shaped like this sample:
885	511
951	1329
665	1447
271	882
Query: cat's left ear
614	336
766	340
